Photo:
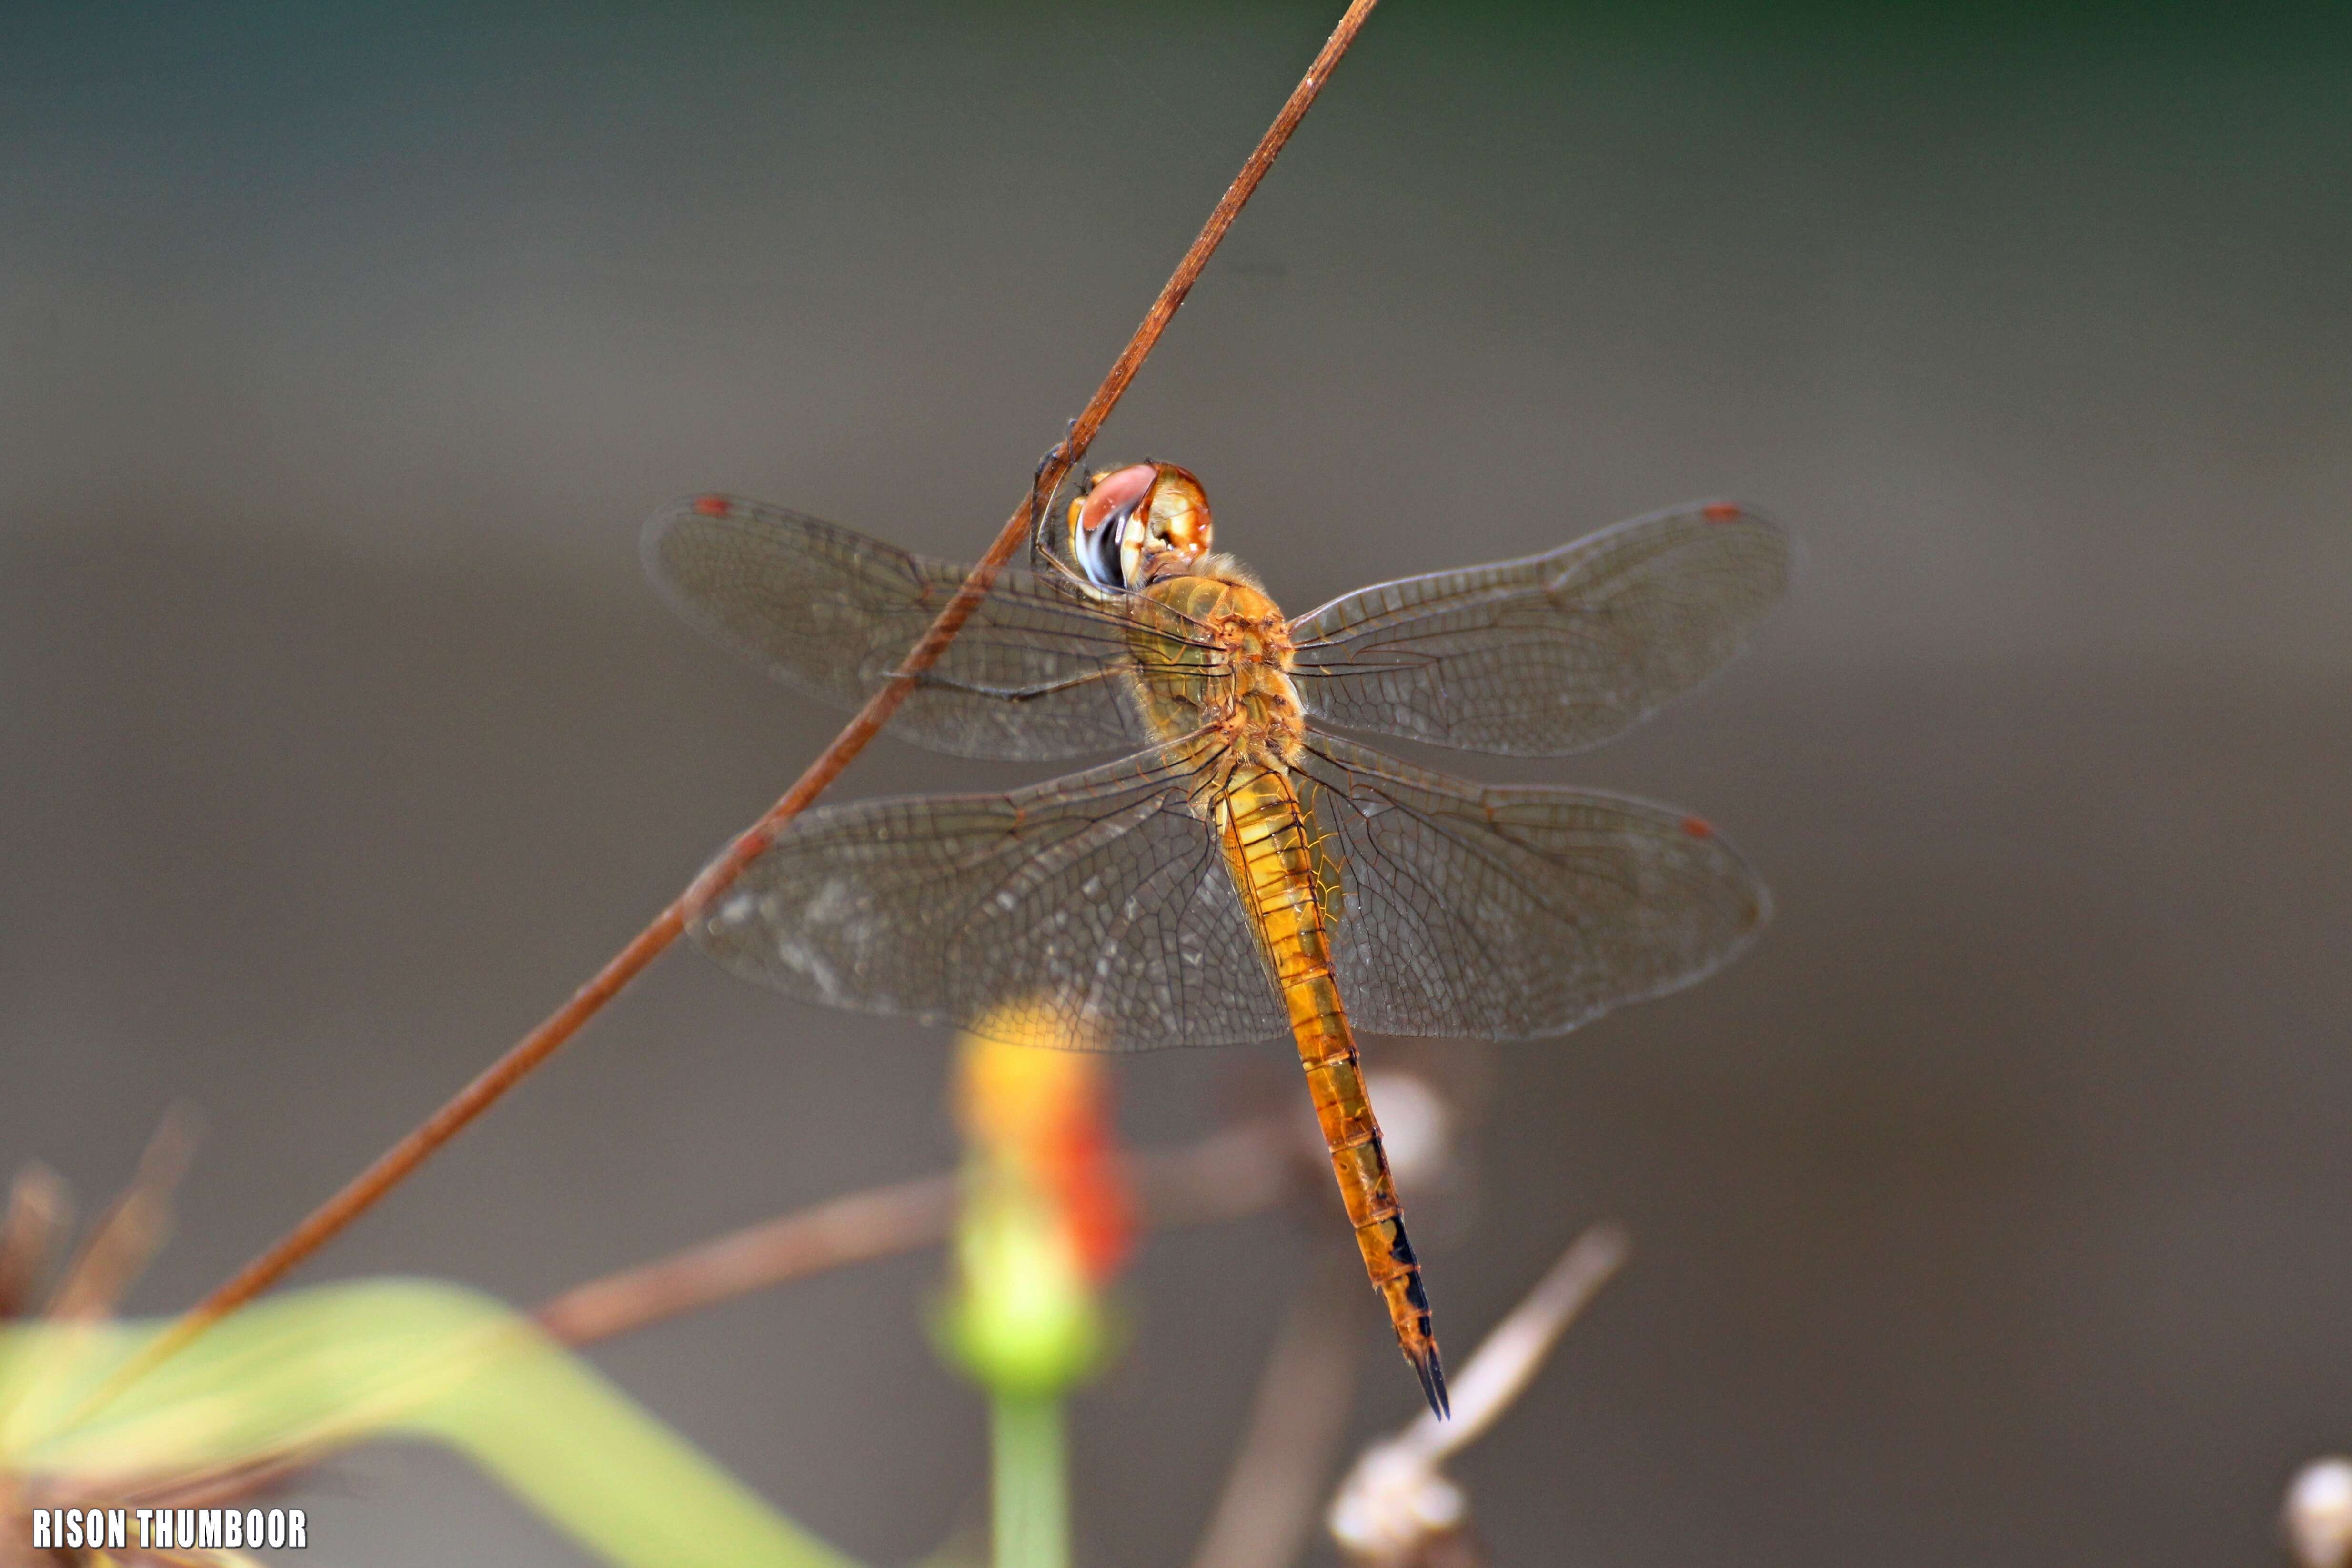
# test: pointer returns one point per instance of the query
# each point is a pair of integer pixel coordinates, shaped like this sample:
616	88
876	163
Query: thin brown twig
1224	1176
120	1245
40	1212
852	1229
1514	1350
1228	1175
394	1164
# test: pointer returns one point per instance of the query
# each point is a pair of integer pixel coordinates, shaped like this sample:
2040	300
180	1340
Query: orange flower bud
1048	1218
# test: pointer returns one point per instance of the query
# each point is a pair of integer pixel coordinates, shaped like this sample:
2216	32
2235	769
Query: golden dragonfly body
1227	703
1245	873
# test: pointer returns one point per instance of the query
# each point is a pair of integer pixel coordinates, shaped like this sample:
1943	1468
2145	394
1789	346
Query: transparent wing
1038	671
1095	903
1551	654
1509	912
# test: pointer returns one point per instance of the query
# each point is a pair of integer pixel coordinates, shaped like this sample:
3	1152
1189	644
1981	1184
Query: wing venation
1095	908
1551	654
1038	672
1514	911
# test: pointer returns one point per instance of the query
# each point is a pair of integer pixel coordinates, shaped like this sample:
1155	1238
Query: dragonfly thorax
1232	677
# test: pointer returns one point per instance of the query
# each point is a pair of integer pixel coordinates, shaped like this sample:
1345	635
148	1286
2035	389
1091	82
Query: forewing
1553	653
1509	912
1095	908
1037	672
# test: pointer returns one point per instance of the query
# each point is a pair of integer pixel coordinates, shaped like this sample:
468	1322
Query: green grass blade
299	1374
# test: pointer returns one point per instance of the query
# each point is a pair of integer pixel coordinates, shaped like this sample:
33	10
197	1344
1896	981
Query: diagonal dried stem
1238	1172
1267	1511
1514	1350
855	1228
39	1214
1396	1507
395	1163
128	1234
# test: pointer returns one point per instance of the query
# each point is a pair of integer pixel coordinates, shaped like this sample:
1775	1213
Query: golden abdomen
1270	851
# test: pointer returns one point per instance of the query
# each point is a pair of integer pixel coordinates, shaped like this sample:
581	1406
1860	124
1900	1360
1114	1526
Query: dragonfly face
1131	526
1244	874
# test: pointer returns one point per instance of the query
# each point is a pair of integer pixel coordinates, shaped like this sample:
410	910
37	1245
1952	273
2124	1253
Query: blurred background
1992	1210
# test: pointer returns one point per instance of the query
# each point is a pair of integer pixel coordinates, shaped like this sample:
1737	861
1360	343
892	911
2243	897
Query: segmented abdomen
1269	848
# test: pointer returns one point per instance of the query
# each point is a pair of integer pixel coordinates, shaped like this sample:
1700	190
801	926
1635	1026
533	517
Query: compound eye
1178	514
1099	519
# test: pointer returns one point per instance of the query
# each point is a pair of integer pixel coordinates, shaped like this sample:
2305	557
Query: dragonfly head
1130	525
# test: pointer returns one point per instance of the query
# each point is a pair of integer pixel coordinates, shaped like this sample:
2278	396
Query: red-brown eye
1099	520
1116	491
1179	512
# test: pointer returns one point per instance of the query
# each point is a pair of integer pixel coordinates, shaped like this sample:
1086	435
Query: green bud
1022	1320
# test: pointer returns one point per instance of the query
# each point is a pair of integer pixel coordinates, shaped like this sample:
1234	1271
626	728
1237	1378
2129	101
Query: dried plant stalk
40	1212
128	1234
852	1229
1238	1172
1268	1509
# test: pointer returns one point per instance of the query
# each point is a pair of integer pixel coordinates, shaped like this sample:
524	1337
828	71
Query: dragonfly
1243	873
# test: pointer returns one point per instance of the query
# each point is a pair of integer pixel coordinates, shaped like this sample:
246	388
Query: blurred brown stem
395	1163
38	1215
1275	1485
1514	1350
844	1230
128	1234
1232	1174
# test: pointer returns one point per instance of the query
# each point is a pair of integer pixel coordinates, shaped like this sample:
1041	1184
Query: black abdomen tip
1433	1380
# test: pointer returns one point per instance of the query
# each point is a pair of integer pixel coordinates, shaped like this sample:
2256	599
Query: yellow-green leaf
296	1375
